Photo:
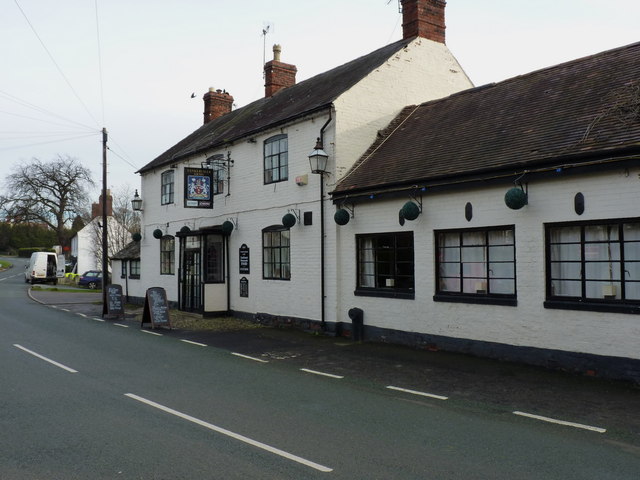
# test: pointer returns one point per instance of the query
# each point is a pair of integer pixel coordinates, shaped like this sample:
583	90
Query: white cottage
233	216
503	220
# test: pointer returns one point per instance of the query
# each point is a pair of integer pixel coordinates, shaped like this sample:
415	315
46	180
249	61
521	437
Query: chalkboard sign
156	308
115	306
245	266
244	287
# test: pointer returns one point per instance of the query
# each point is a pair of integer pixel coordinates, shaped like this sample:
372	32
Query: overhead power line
55	63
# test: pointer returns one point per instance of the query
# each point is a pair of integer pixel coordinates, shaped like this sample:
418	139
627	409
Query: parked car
91	279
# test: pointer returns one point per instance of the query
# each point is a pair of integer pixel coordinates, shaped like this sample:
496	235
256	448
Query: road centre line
231	434
81	314
416	392
41	357
98	319
315	372
121	325
561	422
249	358
193	343
151	333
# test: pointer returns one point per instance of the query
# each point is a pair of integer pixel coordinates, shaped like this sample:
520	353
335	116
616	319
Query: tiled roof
584	109
130	252
306	97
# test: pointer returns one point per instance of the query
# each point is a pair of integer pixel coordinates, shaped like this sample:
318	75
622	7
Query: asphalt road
82	398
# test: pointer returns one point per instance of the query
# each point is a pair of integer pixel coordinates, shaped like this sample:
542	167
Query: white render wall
607	196
424	70
254	206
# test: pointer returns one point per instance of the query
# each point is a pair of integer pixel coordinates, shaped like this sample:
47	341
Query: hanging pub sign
245	267
198	187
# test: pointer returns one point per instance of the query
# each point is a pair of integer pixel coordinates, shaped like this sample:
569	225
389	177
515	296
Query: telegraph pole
105	245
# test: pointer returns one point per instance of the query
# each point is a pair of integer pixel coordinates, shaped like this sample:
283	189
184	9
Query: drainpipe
323	324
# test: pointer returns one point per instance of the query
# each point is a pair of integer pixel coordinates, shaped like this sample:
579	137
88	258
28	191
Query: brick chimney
96	208
423	18
216	104
278	75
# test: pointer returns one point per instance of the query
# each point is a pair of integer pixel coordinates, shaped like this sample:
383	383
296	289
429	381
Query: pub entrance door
191	275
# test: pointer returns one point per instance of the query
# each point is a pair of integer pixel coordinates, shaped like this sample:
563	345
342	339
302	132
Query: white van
44	267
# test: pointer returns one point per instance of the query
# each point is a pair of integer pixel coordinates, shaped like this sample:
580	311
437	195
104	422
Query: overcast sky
69	69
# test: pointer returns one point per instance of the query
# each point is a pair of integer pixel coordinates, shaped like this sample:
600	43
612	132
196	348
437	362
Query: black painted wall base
616	368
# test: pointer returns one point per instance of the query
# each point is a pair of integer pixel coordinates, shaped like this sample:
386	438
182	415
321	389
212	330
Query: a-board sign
156	308
245	267
115	306
244	287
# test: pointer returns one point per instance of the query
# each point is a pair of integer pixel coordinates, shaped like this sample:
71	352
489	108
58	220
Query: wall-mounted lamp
136	202
318	159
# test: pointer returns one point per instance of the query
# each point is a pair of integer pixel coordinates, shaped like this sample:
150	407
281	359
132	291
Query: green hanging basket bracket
227	227
291	218
516	198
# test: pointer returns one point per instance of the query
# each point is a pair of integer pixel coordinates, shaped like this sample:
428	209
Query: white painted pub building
409	220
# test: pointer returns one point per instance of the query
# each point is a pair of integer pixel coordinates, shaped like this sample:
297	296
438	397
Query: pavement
462	381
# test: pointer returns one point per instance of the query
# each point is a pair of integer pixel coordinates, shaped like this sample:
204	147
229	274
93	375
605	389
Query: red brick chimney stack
423	18
216	104
96	208
278	75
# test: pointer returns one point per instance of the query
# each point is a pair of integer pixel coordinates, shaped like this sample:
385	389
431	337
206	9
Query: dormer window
276	159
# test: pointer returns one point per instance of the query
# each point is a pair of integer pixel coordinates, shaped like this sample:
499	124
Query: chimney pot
216	104
278	75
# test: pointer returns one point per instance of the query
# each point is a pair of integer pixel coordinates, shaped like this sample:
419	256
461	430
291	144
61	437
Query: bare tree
121	224
52	193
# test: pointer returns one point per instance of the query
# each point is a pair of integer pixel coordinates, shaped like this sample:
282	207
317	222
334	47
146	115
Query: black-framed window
476	265
167	187
385	265
134	269
167	255
276	253
276	159
123	269
219	177
214	259
594	262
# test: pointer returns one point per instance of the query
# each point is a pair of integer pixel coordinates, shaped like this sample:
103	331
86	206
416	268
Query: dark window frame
391	261
213	273
276	163
167	187
167	256
134	268
271	251
485	295
618	303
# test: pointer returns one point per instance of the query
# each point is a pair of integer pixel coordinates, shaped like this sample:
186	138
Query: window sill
385	293
477	299
134	277
593	306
